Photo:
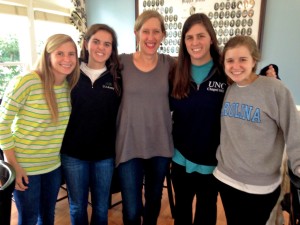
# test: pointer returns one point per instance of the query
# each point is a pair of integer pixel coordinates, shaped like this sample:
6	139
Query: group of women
119	116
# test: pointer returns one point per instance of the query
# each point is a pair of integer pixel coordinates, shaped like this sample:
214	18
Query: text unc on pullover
196	127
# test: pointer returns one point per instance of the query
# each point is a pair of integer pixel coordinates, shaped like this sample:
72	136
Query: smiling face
150	36
99	47
198	41
63	61
239	64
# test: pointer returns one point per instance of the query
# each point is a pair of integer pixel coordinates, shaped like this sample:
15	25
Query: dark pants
186	187
132	174
244	208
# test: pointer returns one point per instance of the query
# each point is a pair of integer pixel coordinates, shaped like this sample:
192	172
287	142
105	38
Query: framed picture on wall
229	18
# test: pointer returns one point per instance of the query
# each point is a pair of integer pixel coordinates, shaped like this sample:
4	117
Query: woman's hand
271	72
21	178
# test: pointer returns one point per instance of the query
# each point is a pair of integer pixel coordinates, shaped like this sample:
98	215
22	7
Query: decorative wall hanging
229	18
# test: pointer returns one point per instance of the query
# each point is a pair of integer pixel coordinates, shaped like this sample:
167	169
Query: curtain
78	17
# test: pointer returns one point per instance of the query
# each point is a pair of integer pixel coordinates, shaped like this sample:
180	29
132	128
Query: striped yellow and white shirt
26	126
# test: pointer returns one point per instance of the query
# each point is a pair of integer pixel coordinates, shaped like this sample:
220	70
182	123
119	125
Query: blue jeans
36	205
83	176
132	175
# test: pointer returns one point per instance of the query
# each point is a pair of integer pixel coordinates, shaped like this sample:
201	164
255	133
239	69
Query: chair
1	155
7	185
115	188
170	192
63	187
294	198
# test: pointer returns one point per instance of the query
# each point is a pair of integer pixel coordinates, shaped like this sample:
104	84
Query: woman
199	85
34	115
88	149
144	143
270	71
258	119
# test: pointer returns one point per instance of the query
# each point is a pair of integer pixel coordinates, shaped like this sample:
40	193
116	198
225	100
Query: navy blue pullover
91	131
196	119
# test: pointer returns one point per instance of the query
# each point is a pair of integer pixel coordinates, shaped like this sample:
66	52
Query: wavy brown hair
113	63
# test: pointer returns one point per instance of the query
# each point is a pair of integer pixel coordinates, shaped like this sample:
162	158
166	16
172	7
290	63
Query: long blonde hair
44	69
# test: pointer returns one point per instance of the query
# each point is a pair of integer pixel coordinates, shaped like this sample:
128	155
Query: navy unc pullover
91	131
196	119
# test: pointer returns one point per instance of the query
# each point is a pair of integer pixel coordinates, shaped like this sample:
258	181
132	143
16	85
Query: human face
150	36
197	41
238	64
100	48
63	61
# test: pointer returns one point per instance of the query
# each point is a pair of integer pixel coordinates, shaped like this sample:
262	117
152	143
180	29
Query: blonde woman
34	114
144	144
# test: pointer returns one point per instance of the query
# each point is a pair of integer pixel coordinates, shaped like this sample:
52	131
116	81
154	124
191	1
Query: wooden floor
115	214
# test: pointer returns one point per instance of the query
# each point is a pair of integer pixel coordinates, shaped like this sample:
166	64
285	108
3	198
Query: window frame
56	11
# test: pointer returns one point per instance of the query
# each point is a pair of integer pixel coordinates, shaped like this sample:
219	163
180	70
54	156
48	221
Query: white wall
280	43
120	15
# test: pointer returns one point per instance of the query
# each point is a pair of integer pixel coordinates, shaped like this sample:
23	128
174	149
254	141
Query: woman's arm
21	176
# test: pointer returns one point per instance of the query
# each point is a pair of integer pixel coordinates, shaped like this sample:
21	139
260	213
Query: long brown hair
44	69
182	76
113	63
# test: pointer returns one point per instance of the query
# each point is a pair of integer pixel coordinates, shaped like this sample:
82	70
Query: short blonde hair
146	15
246	41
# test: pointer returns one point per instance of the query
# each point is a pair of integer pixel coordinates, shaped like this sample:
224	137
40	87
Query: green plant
6	74
9	49
9	52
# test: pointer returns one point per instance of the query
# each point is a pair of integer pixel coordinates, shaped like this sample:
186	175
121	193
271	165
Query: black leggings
244	208
186	187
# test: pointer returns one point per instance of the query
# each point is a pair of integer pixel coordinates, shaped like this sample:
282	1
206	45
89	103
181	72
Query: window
12	43
23	37
52	28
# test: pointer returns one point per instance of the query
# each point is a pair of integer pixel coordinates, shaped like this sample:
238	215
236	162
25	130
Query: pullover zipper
101	75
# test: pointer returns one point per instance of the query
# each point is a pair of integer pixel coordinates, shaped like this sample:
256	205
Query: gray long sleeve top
257	122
